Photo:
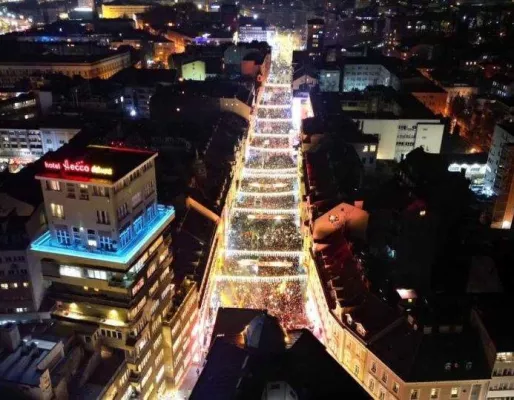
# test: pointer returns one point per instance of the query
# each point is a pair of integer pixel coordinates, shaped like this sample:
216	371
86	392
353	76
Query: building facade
180	333
397	137
123	10
503	135
98	66
107	255
358	76
25	143
315	37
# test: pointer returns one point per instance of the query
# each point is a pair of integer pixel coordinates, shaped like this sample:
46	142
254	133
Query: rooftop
8	58
507	126
416	356
48	247
95	164
379	102
243	372
145	77
424	86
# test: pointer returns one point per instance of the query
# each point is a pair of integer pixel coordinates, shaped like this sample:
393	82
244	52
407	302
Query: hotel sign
78	167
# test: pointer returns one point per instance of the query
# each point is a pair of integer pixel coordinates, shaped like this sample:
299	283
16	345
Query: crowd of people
272	142
264	232
263	266
285	299
275	281
279	113
274	95
259	159
286	201
266	184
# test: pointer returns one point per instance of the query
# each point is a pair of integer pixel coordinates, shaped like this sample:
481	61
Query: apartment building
14	67
392	354
399	120
488	318
503	135
124	9
180	332
107	254
25	142
58	360
315	37
22	219
359	73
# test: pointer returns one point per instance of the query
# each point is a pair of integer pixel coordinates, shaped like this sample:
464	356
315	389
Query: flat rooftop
10	58
21	365
46	246
78	164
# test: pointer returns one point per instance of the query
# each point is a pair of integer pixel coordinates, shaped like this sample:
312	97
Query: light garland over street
259	261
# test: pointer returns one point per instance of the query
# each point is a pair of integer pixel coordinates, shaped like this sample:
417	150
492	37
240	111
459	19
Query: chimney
9	337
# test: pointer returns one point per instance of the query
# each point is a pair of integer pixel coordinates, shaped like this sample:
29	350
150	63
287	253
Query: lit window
138	224
63	237
25	284
84	193
102	217
68	270
4	286
97	274
414	394
434	393
373	147
365	149
14	285
136	199
422	213
53	185
125	236
57	210
106	243
454	394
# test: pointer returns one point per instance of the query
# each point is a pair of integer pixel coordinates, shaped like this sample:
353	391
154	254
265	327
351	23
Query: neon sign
78	166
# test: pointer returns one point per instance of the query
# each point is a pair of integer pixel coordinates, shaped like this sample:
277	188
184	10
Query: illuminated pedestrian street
259	265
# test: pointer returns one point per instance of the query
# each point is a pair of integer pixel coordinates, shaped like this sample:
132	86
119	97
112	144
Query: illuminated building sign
78	166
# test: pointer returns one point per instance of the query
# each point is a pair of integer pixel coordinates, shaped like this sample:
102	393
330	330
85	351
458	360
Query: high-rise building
106	254
22	219
503	209
315	37
503	135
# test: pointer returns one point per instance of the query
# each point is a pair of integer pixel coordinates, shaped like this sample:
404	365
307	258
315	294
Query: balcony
46	247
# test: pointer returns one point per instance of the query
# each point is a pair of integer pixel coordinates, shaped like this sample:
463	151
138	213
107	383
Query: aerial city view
264	200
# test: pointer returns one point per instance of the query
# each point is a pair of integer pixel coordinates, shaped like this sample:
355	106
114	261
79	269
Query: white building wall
398	137
53	138
429	136
387	131
500	138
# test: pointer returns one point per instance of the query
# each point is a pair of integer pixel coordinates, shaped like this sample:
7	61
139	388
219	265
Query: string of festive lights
283	253
274	211
269	194
256	278
275	106
272	150
274	135
277	85
274	119
269	171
